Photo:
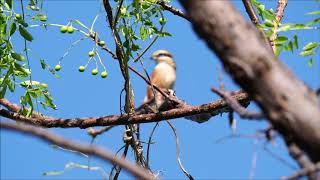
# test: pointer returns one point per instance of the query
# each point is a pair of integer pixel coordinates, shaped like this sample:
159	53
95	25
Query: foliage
282	42
137	23
14	64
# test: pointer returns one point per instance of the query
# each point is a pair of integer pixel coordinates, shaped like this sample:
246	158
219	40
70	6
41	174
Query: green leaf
9	2
313	22
306	53
310	62
25	34
17	56
310	46
3	90
314	13
13	29
281	40
143	32
295	42
29	83
290	46
43	64
269	23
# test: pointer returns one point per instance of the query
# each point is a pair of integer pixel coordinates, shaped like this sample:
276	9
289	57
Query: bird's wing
156	80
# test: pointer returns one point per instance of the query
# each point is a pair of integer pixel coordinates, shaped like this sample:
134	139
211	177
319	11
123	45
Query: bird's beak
152	58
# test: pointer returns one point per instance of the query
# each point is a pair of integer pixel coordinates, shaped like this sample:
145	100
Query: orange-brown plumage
164	74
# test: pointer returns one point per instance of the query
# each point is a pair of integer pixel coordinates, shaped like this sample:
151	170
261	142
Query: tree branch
97	151
171	9
215	108
289	105
234	104
250	10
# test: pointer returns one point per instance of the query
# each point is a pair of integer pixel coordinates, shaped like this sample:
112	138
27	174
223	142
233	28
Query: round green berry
162	21
94	72
104	74
43	18
81	68
18	16
101	43
57	67
70	29
63	29
91	53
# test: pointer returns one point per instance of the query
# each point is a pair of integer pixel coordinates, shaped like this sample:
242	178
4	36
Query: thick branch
137	171
291	107
214	108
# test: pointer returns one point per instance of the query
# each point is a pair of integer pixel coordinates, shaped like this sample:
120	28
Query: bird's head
163	56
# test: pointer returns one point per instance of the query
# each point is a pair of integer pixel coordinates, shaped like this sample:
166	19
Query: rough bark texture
291	107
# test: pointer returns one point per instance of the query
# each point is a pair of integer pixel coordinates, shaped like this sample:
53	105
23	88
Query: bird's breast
167	74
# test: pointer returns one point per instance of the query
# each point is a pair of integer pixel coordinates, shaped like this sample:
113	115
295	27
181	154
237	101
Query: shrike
163	75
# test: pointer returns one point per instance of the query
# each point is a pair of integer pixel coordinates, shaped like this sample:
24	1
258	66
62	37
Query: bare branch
97	151
171	9
94	133
236	106
178	152
250	10
280	9
303	172
215	108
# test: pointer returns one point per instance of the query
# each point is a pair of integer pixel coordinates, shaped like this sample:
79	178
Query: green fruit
70	29
91	53
57	67
104	74
43	18
101	43
162	21
63	29
94	72
18	16
44	85
82	68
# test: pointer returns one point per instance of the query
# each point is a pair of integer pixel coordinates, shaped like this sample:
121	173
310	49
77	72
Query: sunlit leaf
310	46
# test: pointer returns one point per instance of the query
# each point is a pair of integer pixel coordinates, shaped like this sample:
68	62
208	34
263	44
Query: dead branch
97	151
235	106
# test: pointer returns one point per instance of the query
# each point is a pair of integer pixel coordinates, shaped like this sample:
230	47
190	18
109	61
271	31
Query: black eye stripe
164	54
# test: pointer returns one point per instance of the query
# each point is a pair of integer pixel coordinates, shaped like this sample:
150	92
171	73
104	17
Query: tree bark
290	106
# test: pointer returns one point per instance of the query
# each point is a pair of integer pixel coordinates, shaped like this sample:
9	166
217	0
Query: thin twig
236	106
149	143
94	133
178	152
171	9
97	151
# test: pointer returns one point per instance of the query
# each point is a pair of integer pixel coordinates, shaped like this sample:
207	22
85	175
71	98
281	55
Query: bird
164	77
164	73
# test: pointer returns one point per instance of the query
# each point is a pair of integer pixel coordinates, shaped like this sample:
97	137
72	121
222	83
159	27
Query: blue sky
82	95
